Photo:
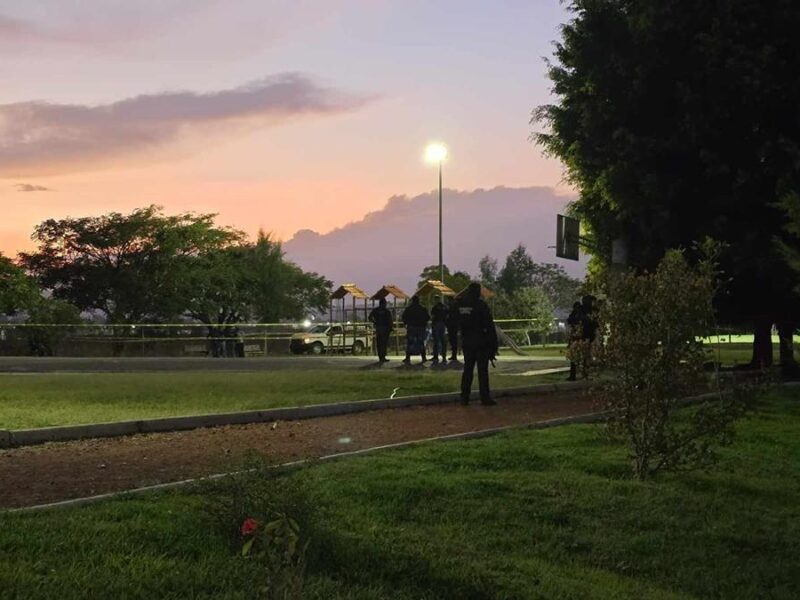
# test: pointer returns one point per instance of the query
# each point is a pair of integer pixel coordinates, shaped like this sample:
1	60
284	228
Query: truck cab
322	338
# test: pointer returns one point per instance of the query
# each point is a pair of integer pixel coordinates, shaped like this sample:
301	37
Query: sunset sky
285	115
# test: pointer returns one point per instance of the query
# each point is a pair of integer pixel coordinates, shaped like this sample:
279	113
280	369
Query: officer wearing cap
479	341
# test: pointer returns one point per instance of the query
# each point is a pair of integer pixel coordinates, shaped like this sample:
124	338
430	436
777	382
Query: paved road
507	364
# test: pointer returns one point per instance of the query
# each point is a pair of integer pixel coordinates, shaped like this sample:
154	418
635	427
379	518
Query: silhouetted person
589	327
439	314
574	321
381	318
479	340
452	328
415	318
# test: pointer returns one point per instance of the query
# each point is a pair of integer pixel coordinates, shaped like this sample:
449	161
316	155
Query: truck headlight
307	341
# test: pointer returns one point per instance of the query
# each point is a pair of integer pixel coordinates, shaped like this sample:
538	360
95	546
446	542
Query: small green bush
650	348
267	518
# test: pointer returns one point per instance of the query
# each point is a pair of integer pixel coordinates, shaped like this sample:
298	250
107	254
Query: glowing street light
437	153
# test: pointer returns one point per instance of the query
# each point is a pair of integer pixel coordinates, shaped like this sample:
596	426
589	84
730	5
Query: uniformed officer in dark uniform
415	317
438	328
381	317
452	328
479	340
574	322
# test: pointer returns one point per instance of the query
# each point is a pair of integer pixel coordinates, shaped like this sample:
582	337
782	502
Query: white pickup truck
330	338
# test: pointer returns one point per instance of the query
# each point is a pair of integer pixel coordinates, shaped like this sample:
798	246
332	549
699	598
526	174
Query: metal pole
441	264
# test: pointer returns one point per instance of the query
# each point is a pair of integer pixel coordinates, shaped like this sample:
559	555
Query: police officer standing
479	340
452	328
574	322
438	328
415	317
381	318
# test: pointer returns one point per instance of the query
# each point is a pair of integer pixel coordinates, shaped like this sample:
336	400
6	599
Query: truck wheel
358	348
317	348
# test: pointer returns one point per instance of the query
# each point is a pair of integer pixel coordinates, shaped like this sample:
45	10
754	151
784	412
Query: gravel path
60	471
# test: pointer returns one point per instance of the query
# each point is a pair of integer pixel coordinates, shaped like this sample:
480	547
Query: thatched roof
349	288
434	286
486	293
390	290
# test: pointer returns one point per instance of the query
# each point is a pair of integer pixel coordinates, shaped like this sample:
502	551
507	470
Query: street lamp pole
441	263
435	154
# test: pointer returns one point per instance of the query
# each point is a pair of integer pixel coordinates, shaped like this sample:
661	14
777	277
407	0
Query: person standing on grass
574	321
415	317
452	328
589	328
479	340
383	321
439	314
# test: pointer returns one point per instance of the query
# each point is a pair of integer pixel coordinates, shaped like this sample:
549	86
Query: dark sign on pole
567	236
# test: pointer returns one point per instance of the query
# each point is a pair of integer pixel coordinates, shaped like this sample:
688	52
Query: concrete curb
470	435
29	437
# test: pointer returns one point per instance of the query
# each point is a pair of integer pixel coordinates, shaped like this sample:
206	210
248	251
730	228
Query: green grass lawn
41	400
525	515
728	354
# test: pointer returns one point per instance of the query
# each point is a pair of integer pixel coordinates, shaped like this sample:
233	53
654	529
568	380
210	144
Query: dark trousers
473	358
415	341
439	342
382	341
452	337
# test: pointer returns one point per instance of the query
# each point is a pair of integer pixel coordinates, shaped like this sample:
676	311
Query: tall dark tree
249	281
677	120
520	272
282	290
489	271
17	291
517	270
125	266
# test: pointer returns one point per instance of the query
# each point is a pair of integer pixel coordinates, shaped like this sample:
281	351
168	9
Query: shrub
653	358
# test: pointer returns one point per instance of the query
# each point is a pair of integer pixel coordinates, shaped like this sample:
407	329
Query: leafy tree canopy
150	266
520	272
17	291
676	121
125	266
250	281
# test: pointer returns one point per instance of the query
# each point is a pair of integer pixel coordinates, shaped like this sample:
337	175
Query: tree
17	291
676	121
530	304
517	270
55	317
520	271
125	266
561	289
457	281
249	281
282	290
489	272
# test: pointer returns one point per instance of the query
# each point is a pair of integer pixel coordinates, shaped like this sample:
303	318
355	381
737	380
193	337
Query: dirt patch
60	471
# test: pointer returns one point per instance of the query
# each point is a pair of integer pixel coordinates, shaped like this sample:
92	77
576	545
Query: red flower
249	526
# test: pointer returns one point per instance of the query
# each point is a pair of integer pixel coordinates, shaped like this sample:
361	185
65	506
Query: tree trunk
762	344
